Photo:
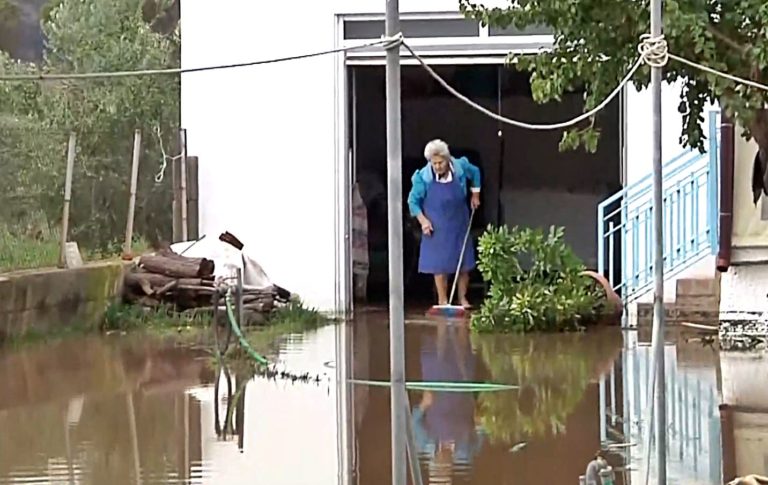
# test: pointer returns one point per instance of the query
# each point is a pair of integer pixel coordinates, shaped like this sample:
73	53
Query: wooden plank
192	198
176	187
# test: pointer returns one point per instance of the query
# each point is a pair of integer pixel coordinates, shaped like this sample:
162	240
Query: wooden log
199	289
156	282
167	287
178	267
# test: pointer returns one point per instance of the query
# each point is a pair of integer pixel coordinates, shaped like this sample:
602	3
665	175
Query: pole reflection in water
693	434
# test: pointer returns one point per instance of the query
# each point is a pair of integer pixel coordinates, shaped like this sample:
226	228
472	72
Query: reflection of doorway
526	180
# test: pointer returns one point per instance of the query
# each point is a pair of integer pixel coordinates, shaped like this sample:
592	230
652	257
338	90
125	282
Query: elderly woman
438	199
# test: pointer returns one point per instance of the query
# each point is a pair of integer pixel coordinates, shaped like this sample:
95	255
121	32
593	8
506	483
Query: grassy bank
191	327
41	250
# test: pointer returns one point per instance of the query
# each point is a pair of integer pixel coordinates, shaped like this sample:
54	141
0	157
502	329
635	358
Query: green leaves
595	43
536	282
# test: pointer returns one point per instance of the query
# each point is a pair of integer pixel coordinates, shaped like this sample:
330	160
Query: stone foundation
52	299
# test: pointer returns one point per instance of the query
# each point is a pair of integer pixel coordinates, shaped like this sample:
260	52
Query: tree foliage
35	117
595	43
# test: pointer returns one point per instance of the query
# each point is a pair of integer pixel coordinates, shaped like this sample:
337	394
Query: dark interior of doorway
527	181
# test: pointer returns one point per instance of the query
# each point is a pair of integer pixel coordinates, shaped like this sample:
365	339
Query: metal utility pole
660	405
395	204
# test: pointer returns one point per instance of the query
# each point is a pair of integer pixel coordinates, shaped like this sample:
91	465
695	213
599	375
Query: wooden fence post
132	198
71	145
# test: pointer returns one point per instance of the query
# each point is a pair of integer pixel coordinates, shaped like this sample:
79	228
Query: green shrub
535	282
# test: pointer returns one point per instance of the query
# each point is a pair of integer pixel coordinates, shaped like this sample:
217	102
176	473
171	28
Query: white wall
639	138
254	127
743	287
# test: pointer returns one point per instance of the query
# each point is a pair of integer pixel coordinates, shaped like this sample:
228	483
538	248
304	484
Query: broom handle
461	257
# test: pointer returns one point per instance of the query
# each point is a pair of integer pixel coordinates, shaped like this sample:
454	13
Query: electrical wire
652	51
177	70
522	124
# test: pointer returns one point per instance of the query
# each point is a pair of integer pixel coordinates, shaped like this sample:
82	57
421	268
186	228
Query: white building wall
743	286
272	126
639	138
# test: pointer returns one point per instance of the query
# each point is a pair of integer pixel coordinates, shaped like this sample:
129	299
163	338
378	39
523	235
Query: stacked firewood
167	278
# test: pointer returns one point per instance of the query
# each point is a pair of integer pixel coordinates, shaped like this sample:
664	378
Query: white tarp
226	259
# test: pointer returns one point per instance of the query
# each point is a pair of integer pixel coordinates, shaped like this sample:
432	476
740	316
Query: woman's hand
426	225
475	202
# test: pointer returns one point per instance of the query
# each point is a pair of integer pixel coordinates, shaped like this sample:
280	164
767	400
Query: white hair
437	148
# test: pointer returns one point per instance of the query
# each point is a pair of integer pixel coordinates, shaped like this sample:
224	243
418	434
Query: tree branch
727	40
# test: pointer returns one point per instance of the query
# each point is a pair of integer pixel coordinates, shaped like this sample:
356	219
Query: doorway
527	181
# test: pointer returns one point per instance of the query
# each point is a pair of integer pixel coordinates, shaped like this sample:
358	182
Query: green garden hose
443	386
420	386
243	342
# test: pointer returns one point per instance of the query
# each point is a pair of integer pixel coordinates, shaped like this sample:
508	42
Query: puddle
123	410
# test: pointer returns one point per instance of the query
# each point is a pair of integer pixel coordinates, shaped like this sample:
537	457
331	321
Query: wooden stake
67	197
132	199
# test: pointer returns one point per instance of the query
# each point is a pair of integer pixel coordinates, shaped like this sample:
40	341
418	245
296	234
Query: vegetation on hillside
37	117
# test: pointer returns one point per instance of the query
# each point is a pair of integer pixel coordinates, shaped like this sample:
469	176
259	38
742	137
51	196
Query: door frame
439	51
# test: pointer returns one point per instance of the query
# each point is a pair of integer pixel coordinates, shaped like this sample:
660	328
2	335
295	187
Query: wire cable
177	70
653	51
522	124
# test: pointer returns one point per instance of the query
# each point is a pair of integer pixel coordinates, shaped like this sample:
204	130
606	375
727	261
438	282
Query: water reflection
139	410
446	430
694	435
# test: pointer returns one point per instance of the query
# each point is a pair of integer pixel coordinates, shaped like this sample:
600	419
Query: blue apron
445	205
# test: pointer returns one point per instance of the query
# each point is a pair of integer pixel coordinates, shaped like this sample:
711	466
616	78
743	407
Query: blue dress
445	205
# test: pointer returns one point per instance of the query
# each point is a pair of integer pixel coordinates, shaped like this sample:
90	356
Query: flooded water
135	410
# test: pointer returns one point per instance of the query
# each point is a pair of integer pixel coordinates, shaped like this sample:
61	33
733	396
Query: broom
454	310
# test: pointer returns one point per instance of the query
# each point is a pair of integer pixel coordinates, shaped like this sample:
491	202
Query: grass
291	319
163	320
20	251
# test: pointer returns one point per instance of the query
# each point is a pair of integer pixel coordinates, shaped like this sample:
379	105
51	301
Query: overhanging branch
742	49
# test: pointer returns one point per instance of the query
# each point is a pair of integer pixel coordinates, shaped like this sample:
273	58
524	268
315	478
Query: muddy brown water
138	410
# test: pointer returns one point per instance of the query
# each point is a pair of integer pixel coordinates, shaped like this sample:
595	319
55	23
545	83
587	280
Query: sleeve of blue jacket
473	173
417	194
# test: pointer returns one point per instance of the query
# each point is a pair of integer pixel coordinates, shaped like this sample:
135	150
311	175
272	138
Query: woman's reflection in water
444	423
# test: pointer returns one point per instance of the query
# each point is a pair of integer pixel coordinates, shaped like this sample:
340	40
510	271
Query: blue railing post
691	215
713	181
601	241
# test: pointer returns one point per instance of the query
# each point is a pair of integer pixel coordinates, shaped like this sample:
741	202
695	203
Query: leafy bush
535	279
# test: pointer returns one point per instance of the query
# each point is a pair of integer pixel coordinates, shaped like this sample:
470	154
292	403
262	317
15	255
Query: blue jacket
463	171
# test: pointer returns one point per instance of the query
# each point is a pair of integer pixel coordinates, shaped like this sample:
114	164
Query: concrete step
674	314
698	287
